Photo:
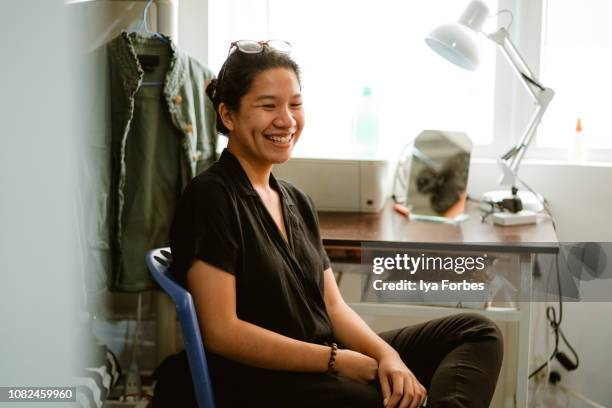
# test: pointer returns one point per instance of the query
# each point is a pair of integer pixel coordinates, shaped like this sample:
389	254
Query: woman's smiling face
270	118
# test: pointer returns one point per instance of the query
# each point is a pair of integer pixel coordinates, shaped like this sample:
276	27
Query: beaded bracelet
331	365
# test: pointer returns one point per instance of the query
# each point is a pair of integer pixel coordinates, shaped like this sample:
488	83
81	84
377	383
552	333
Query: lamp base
520	218
529	200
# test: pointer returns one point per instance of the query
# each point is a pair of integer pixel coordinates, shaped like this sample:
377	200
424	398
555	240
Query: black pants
456	358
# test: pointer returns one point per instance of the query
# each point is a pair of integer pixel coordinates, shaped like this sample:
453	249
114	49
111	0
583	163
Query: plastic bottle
578	150
365	124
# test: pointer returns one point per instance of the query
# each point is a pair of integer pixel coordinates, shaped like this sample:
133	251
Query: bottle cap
578	126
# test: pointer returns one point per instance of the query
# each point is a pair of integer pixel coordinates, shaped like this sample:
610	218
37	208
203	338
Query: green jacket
162	136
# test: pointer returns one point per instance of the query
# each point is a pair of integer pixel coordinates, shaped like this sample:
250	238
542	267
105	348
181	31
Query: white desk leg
524	331
510	362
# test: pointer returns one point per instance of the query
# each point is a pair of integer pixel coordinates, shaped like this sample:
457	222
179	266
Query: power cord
541	199
551	316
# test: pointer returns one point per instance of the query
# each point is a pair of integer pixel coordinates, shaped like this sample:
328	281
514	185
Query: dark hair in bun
236	77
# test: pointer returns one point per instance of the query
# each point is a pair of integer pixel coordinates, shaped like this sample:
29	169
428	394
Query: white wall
40	285
193	28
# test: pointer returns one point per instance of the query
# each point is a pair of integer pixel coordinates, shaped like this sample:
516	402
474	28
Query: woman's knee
478	327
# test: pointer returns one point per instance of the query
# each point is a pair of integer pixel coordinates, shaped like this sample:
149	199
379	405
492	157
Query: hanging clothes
162	136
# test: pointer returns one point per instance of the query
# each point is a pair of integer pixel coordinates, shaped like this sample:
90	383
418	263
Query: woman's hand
356	366
400	387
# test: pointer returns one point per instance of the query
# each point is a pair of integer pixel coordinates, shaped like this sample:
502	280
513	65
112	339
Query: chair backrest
158	262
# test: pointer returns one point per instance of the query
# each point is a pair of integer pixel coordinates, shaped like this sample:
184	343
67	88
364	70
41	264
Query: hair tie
211	89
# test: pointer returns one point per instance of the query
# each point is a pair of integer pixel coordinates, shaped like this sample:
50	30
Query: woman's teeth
280	139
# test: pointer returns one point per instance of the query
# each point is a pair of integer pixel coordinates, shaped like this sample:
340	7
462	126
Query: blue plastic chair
158	262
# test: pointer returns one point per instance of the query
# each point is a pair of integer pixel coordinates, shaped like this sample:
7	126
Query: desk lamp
457	42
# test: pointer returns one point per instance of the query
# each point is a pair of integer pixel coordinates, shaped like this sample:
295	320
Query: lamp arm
527	137
540	95
516	61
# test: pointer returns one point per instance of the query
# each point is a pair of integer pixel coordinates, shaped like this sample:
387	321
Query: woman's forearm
253	345
355	334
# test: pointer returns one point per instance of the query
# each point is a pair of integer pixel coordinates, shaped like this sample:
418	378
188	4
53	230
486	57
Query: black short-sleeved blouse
221	220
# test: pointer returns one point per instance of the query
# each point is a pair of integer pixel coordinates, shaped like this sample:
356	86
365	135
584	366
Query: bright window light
577	62
343	46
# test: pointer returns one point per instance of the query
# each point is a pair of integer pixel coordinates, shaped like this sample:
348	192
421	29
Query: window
343	46
577	62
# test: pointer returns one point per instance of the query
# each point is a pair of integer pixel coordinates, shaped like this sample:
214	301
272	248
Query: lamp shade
458	42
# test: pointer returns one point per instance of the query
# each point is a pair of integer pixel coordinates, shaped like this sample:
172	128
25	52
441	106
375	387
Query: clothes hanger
143	31
143	28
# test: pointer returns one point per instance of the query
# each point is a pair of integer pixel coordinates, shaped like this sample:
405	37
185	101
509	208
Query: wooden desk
350	230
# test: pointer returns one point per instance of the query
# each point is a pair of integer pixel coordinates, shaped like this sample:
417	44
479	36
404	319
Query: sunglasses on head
255	47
